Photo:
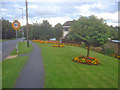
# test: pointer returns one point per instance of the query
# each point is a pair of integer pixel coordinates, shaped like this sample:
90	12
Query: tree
47	30
91	30
42	31
7	31
113	32
58	31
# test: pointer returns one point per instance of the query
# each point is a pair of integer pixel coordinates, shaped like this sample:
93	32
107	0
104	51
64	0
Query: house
66	29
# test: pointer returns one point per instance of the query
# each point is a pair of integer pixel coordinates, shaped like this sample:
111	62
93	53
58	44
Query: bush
83	45
107	51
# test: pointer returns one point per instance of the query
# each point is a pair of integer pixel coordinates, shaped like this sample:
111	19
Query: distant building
66	29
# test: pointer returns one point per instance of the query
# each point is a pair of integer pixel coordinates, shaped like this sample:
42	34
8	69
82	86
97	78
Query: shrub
83	45
107	51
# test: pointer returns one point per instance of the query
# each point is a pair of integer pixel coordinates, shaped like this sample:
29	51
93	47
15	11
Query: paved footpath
32	76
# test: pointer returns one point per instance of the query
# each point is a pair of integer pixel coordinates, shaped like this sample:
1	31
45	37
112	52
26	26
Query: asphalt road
32	75
8	47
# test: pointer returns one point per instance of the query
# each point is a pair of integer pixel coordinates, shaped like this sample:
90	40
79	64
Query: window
66	29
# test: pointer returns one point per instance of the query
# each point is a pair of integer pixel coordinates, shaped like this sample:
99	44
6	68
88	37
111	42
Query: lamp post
27	24
22	24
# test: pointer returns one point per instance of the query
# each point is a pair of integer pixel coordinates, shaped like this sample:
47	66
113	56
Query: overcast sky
60	11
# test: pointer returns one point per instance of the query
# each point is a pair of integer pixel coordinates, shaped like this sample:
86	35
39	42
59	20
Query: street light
22	23
27	24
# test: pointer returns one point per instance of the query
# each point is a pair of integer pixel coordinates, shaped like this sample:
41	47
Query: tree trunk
88	49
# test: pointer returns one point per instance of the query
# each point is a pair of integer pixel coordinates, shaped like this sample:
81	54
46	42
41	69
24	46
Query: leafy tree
43	31
58	31
91	30
7	31
47	30
29	31
113	32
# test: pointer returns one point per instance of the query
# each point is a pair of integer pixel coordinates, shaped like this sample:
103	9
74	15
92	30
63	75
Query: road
8	47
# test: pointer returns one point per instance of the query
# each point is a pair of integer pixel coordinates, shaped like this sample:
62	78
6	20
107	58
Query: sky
60	11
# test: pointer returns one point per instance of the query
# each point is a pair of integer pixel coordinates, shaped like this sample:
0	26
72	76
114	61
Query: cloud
113	24
52	20
33	6
16	5
61	11
3	13
3	9
60	0
92	8
109	16
43	10
55	20
85	10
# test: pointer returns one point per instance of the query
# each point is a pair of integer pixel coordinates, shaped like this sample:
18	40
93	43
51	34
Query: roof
68	23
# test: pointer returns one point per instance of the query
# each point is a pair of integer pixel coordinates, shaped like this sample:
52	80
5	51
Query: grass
22	48
11	69
62	72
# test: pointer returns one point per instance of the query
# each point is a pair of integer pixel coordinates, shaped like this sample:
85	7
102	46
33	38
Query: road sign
16	24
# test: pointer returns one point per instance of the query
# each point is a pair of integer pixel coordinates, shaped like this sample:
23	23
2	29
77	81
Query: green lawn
62	72
22	48
12	67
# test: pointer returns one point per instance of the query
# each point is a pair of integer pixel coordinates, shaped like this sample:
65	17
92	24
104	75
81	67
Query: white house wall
65	33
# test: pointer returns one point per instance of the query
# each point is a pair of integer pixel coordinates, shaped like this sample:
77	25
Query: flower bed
115	56
56	42
58	45
86	60
45	42
71	44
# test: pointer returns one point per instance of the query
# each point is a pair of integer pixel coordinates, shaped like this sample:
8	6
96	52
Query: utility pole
27	24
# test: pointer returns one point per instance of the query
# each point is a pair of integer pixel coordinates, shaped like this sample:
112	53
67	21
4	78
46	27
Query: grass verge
62	72
22	48
11	69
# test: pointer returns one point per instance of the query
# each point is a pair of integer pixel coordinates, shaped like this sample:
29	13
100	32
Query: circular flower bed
86	60
58	45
